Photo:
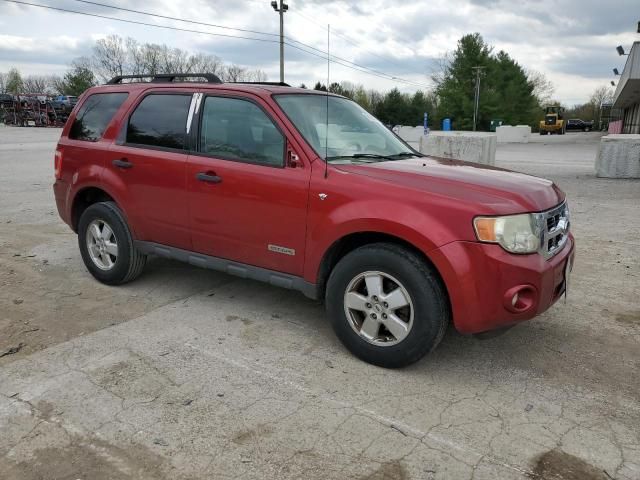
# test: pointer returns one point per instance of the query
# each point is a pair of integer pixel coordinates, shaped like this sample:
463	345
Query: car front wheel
387	305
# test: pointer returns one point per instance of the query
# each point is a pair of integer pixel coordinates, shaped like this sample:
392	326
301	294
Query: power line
355	43
391	77
333	58
362	68
322	54
176	18
59	9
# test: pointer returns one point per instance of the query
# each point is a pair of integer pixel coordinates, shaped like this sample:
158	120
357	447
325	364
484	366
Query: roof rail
166	77
278	84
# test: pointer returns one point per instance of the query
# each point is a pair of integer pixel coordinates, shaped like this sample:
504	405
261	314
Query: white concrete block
511	134
619	156
476	147
411	135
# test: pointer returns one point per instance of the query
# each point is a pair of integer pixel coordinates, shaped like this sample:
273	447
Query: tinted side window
239	130
94	116
160	120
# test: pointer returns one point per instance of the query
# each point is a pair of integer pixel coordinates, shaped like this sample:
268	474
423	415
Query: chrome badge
279	249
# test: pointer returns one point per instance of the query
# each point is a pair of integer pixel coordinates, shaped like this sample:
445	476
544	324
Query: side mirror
293	160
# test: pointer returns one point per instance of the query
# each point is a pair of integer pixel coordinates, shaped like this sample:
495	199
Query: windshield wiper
407	154
375	155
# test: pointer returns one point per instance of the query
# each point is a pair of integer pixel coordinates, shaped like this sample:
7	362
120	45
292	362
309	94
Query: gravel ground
191	374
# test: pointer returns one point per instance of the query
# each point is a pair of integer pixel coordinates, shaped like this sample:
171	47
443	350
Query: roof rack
166	77
278	84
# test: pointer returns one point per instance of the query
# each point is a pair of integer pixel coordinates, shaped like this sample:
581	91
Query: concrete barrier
411	135
619	156
476	147
511	134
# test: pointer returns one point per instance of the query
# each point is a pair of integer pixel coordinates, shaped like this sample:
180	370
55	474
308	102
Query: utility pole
281	7
476	101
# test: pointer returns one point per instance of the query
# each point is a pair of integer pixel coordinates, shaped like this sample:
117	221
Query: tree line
393	107
112	56
508	92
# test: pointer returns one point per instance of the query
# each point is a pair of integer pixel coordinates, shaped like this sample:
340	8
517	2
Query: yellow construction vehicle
553	121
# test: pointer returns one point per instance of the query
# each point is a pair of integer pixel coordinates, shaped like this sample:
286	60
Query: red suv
308	191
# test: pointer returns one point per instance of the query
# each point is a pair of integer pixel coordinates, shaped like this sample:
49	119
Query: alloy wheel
102	244
378	308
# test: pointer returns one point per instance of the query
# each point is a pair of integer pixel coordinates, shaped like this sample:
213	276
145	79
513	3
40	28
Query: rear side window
235	129
160	120
94	116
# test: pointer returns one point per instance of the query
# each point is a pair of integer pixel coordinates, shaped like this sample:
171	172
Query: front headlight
515	233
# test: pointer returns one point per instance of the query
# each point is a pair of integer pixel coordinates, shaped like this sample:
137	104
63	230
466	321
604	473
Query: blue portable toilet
446	124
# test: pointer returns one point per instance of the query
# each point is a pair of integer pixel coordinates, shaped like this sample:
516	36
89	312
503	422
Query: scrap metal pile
33	110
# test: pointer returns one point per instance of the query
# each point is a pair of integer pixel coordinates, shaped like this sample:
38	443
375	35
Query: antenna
326	133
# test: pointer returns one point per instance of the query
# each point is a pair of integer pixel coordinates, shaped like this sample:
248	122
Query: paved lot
190	374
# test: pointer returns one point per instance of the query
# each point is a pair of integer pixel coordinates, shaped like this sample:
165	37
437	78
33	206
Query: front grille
550	120
554	229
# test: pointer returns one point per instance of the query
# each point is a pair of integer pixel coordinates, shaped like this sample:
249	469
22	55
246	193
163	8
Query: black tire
427	294
129	262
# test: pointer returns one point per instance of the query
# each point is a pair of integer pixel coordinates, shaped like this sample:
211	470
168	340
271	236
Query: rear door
85	143
246	201
148	161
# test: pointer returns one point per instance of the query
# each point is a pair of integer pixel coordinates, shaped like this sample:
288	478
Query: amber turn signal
485	229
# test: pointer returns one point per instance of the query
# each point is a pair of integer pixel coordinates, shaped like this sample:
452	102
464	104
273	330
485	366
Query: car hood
498	190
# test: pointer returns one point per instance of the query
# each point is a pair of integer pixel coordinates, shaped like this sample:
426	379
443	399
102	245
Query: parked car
6	99
577	124
67	100
252	180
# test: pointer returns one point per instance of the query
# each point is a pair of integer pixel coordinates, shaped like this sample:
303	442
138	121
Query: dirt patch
88	459
45	410
48	297
233	318
246	437
629	318
557	465
388	471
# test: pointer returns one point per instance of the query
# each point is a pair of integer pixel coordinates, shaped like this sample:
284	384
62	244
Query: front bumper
481	280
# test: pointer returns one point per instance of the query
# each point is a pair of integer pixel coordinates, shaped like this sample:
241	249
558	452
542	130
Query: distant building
627	96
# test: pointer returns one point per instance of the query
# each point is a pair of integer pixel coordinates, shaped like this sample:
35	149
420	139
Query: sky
572	42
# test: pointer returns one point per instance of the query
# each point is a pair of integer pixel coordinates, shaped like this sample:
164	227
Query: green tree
14	83
457	81
336	88
361	98
509	95
394	109
506	93
418	105
77	80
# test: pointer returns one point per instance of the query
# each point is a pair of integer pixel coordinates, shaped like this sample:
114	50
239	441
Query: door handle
209	177
122	163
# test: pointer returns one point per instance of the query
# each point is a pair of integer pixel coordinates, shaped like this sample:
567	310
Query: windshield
354	134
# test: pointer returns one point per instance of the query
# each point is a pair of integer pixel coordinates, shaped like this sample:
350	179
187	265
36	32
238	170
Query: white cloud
15	43
572	42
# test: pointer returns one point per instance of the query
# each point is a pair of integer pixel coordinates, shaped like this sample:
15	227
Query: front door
247	203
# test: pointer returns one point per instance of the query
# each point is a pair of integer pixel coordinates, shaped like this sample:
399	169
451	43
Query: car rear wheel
106	245
386	305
